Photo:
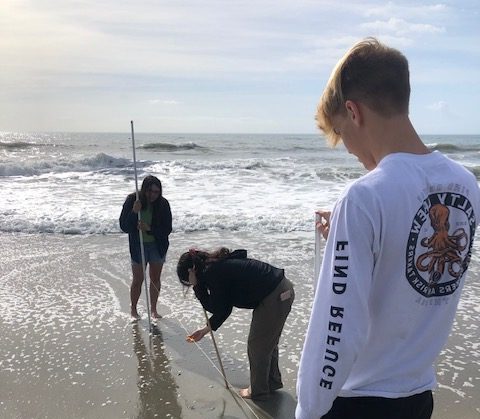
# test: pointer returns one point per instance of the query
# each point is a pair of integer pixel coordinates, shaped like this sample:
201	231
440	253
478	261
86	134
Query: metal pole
318	250
142	250
216	349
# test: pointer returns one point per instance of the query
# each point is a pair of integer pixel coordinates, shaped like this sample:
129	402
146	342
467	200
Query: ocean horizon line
3	132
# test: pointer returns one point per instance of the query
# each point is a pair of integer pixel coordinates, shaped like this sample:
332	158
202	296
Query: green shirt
146	217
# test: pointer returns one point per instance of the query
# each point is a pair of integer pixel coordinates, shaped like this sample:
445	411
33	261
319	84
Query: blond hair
371	73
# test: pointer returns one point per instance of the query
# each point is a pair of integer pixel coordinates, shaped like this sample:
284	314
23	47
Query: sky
223	66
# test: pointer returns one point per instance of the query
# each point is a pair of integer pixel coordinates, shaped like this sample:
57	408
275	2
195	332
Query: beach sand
70	350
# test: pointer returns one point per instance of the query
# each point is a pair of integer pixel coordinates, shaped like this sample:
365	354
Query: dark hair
200	260
147	183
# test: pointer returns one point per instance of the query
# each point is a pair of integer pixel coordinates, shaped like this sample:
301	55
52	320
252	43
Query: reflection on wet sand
157	390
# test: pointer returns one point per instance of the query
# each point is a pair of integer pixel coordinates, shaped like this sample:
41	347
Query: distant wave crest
476	171
14	145
97	162
453	148
172	147
334	174
102	160
209	166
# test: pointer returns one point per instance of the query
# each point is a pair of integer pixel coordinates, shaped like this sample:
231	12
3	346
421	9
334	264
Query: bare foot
245	393
135	315
155	315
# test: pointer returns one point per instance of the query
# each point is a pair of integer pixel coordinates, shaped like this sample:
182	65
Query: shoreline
71	350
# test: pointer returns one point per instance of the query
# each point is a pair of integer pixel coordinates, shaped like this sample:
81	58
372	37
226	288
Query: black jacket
161	226
235	282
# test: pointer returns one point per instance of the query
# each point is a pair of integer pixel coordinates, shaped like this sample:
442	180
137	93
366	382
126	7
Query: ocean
75	183
62	196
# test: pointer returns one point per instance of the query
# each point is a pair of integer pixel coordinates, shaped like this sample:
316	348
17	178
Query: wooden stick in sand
142	250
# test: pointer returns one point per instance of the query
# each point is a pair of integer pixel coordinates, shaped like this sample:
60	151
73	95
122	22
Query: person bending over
222	280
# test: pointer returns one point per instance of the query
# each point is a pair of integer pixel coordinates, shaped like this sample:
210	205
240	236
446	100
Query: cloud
440	106
401	27
407	11
320	53
189	57
163	102
177	39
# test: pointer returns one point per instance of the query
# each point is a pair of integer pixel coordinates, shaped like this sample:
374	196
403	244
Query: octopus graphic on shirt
439	244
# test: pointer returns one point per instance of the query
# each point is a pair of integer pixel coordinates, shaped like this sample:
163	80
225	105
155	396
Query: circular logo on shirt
439	244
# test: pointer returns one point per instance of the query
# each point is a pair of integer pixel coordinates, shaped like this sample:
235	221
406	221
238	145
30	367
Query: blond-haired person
397	251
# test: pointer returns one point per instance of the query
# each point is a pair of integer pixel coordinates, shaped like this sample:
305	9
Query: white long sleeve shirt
392	272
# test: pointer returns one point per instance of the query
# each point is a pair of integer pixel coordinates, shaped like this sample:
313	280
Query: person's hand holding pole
137	206
323	223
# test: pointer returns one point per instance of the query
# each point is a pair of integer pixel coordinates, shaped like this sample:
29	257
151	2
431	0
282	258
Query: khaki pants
265	330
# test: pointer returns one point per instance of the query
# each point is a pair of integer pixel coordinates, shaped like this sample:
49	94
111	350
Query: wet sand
70	349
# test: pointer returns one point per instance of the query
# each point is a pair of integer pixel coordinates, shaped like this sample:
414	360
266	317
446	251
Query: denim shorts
152	255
